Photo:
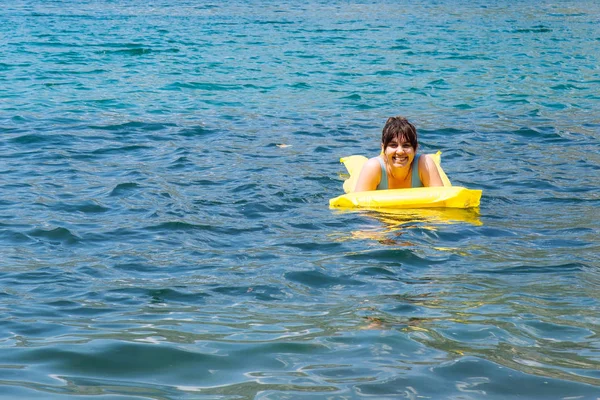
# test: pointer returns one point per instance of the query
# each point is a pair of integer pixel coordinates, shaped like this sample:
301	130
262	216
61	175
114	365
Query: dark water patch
178	226
309	133
73	308
207	86
532	185
391	257
469	57
50	275
566	86
311	246
365	106
136	51
58	235
389	73
171	295
537	133
557	332
141	295
197	131
438	82
134	126
15	237
532	269
556	200
256	210
137	267
320	280
323	149
206	182
123	189
534	29
568	14
300	85
95	271
557	105
514	101
87	207
134	360
278	22
32	331
481	376
258	292
464	106
38	138
379	272
181	163
310	226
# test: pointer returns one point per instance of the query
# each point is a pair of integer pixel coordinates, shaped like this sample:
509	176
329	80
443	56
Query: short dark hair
400	128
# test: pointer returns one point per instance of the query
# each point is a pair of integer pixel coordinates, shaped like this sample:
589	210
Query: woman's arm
428	172
369	177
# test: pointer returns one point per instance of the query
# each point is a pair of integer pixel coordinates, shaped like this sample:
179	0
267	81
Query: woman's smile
399	159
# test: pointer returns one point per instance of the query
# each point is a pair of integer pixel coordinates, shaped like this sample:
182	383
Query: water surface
166	170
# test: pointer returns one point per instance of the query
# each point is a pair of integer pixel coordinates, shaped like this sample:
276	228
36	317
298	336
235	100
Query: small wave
56	235
317	279
168	295
208	86
389	72
535	269
197	131
180	226
300	85
259	292
565	86
537	133
40	138
134	126
123	149
87	207
14	237
124	188
393	256
140	51
534	29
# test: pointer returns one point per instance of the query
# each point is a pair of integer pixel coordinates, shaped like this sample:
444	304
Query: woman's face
399	153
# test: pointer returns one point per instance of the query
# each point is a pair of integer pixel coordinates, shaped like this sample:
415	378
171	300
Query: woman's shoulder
374	160
426	160
370	175
428	171
373	164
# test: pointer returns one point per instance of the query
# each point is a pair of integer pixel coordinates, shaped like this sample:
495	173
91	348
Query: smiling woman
398	166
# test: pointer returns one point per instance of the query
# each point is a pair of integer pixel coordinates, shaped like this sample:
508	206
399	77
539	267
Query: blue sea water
165	170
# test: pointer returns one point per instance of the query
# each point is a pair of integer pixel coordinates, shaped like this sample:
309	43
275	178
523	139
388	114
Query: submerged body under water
165	176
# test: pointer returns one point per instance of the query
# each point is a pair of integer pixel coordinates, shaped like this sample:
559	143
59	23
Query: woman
398	166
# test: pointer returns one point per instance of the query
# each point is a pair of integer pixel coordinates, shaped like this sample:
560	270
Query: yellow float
446	196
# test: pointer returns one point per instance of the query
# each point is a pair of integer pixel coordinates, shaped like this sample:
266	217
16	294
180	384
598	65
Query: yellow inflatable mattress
423	197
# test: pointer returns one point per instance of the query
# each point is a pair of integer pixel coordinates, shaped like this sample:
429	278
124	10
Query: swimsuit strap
415	179
383	183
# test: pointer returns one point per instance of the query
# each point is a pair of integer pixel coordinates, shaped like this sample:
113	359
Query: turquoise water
165	174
